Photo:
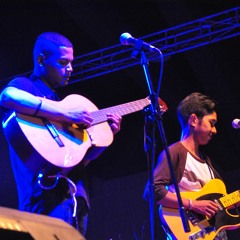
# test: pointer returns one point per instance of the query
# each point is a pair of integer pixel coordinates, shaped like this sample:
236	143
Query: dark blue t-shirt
32	197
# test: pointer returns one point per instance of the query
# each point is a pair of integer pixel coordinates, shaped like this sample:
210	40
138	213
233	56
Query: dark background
119	175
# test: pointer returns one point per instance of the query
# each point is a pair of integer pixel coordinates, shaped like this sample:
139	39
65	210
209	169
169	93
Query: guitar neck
230	199
122	109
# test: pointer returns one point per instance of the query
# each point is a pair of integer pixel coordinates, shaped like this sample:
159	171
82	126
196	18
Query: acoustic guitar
61	144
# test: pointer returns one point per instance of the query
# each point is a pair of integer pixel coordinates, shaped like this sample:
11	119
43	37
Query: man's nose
69	67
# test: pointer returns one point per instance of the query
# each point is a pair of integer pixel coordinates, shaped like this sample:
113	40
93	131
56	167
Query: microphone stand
152	115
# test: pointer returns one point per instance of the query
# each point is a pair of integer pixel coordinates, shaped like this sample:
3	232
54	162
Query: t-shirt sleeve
162	175
22	83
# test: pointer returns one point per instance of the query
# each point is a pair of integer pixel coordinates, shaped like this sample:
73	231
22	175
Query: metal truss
173	40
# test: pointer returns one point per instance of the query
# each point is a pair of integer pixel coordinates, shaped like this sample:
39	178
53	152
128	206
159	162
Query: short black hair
45	42
197	103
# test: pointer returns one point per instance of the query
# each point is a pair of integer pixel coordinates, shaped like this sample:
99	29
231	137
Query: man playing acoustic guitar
193	172
59	195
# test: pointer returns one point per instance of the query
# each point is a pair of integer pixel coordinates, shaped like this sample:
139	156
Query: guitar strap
210	170
52	95
213	172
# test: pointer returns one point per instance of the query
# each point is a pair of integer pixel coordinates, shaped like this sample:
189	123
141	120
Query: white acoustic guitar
65	145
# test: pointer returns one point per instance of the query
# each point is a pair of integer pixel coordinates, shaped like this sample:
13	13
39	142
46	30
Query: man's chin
204	142
62	84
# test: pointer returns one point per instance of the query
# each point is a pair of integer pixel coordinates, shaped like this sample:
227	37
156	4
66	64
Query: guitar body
200	226
76	143
51	145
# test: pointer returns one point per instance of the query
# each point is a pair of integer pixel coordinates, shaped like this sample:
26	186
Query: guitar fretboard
122	109
230	199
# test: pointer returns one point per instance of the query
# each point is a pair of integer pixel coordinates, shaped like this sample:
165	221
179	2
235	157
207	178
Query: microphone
127	39
236	123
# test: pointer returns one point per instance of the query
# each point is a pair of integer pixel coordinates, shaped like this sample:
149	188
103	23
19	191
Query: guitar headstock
163	105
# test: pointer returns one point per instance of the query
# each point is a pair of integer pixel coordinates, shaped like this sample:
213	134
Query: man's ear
193	119
40	59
